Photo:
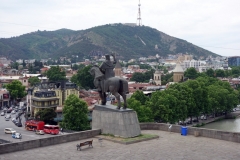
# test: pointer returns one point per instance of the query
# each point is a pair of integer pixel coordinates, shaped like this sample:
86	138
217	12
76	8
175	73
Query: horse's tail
120	86
123	87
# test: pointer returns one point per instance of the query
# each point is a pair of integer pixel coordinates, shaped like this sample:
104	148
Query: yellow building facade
51	95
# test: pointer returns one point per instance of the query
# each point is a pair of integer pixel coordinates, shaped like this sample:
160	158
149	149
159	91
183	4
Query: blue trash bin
184	131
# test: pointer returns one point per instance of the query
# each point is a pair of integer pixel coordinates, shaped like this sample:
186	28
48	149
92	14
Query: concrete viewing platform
169	146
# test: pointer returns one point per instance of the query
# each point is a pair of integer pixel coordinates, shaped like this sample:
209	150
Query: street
26	135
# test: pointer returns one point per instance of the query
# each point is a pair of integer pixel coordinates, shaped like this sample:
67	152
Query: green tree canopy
16	89
75	114
33	80
142	77
191	73
144	113
160	104
55	74
83	78
139	96
210	72
46	114
138	77
220	73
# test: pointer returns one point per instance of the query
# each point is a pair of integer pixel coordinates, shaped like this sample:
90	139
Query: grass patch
110	135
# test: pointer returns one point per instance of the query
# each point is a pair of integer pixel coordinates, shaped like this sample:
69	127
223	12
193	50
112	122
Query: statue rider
107	69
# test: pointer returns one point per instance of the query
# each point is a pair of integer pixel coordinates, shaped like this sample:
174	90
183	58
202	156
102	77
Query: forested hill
126	41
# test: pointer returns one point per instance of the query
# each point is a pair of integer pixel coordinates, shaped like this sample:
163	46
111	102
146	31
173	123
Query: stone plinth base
123	123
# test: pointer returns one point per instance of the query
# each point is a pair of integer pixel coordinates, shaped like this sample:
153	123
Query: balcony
45	106
44	98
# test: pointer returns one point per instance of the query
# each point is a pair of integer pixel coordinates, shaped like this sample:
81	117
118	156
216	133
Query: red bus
32	125
51	129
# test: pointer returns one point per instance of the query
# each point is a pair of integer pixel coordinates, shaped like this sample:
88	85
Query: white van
9	130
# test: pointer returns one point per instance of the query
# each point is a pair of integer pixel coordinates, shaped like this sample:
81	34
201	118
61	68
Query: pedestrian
61	130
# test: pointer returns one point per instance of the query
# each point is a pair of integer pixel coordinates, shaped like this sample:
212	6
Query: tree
161	106
46	114
55	74
191	73
144	113
148	75
84	78
235	70
184	100
200	98
138	77
144	66
33	80
16	89
220	73
15	65
75	114
139	96
24	64
75	67
210	72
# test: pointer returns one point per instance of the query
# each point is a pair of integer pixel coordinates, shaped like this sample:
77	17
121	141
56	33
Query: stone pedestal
123	123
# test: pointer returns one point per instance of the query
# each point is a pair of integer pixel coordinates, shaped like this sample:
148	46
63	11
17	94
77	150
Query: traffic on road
12	129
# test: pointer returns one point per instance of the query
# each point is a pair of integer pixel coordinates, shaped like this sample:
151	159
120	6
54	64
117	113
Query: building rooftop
178	68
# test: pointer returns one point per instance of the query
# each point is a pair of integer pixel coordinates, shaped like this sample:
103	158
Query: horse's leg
117	95
123	94
103	97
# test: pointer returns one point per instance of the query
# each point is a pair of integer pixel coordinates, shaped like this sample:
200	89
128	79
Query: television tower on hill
139	19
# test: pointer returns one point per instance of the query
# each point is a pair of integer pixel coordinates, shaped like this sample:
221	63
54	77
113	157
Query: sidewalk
209	120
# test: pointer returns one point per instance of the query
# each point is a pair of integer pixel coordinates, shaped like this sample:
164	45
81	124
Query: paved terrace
168	146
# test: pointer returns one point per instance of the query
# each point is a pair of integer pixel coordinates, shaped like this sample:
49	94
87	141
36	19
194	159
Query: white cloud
213	23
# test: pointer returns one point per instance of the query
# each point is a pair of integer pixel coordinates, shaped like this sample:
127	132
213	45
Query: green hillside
126	41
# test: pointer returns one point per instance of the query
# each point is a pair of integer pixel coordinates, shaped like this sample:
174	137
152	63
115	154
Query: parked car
7	117
9	110
9	130
40	132
195	120
2	113
16	135
203	117
13	119
18	124
13	112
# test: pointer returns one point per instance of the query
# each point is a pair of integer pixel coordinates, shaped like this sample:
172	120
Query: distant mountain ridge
126	41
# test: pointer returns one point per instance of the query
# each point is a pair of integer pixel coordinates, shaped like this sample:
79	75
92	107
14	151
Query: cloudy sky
210	24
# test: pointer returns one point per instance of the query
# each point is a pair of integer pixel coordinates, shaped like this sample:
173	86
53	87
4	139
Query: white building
198	65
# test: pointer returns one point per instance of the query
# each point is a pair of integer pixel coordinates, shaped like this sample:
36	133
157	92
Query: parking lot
26	135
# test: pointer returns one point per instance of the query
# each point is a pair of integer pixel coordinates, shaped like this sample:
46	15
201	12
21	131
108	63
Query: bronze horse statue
115	85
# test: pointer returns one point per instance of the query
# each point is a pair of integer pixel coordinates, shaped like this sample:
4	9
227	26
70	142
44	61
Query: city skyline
212	25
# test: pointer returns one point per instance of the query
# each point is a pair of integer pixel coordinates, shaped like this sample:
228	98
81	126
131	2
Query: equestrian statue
105	81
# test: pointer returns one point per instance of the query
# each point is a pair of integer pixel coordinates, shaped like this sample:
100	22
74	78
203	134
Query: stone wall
56	139
209	133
